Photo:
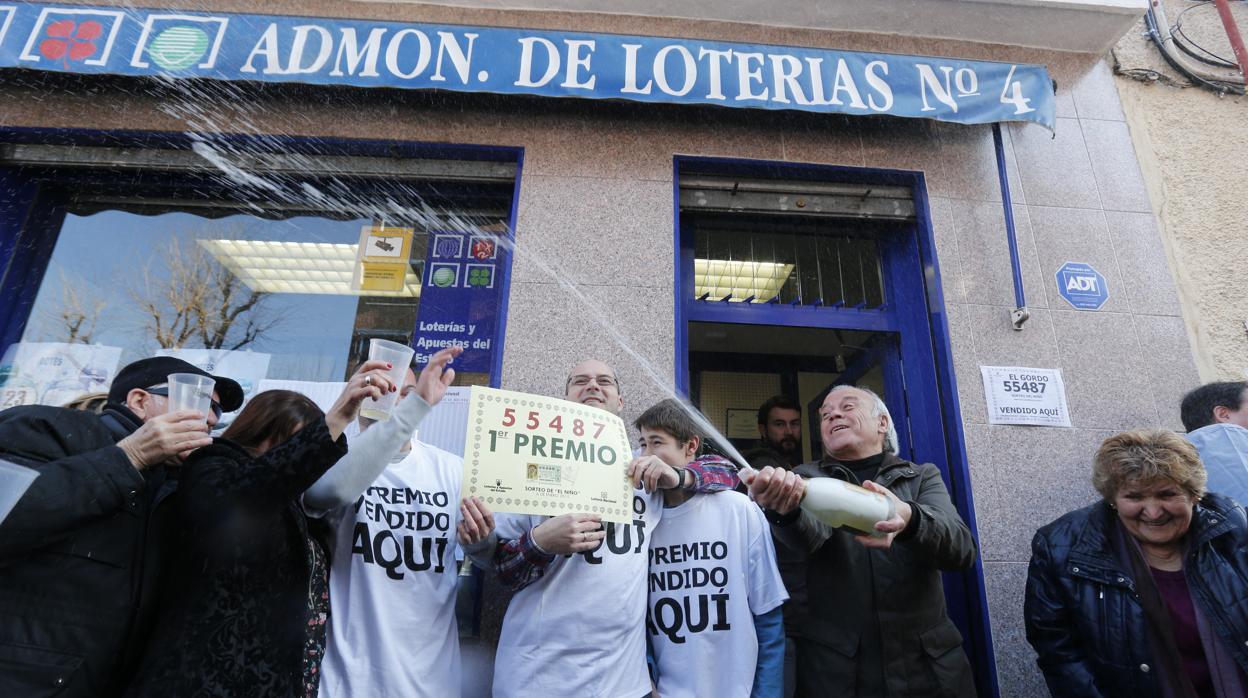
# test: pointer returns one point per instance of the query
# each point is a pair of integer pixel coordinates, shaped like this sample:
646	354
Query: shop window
263	282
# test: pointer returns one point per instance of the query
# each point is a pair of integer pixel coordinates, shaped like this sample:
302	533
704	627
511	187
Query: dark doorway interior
734	368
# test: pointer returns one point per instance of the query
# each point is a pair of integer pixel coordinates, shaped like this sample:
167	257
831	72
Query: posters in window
460	299
444	427
246	367
54	373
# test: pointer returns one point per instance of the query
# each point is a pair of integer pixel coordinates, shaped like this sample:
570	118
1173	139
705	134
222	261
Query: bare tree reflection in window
78	314
198	302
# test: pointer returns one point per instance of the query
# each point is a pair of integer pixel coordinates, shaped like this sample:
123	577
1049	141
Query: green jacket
882	612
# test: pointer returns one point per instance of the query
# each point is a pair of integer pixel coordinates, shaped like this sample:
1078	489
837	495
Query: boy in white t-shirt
713	617
394	506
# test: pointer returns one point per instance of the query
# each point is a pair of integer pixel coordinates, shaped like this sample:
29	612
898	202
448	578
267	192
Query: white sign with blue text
1082	286
365	53
1029	396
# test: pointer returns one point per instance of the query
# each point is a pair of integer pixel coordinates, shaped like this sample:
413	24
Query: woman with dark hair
245	602
1144	593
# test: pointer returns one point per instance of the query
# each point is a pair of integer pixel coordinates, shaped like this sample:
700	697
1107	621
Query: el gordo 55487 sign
1020	395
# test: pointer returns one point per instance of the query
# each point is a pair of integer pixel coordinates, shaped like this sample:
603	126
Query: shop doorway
793	279
734	366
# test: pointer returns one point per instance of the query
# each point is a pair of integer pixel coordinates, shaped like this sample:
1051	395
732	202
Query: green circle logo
178	47
444	277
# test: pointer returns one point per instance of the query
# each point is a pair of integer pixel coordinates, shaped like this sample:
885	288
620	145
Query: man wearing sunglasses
80	552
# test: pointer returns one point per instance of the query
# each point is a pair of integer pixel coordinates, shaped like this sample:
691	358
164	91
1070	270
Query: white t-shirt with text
580	629
392	628
712	569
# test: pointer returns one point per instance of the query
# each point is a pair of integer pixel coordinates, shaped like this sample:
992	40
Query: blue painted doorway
796	278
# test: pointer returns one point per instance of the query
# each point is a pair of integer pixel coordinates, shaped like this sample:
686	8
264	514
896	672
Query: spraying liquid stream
431	219
208	109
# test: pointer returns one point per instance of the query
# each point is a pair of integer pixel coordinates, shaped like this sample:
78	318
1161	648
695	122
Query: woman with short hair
245	602
1144	593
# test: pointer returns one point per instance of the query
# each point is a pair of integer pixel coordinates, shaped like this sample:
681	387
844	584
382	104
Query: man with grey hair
876	623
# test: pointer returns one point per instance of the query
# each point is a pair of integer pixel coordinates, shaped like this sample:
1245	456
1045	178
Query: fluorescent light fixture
720	277
271	266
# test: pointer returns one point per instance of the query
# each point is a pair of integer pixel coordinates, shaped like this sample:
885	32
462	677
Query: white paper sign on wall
1019	395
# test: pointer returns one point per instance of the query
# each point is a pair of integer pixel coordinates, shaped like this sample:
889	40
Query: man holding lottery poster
576	627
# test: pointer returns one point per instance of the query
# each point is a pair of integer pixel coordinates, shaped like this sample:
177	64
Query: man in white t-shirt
576	627
393	503
714	616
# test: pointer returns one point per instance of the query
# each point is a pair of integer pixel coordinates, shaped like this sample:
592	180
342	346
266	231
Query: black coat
235	616
878	616
79	554
1082	613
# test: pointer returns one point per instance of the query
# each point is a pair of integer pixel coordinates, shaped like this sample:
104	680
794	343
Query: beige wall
1193	147
596	203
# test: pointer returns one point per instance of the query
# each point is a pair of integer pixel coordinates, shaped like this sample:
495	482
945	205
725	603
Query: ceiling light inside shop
720	277
298	267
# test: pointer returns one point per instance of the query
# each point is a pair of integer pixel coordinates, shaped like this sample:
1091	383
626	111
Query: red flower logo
70	41
482	249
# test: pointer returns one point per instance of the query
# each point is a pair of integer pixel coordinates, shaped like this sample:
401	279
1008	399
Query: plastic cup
14	481
190	391
400	357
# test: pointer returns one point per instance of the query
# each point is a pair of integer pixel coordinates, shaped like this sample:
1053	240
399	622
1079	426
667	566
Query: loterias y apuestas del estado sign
362	53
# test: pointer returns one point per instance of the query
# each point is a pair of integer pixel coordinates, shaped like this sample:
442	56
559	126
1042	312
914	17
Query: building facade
728	253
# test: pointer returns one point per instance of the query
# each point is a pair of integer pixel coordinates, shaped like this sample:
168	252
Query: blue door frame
32	203
924	389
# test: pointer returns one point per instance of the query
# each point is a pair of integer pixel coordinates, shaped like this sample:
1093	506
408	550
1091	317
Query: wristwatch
680	477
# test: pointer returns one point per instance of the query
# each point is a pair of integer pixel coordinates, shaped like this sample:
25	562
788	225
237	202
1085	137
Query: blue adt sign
1082	286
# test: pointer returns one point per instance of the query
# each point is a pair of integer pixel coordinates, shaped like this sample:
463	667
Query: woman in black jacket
1146	592
244	604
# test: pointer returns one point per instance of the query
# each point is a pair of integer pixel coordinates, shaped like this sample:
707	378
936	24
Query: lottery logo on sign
443	275
483	248
70	41
177	48
480	276
447	246
73	36
179	42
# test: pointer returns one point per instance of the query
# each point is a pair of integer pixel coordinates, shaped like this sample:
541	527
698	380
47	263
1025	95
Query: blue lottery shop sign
362	53
1082	286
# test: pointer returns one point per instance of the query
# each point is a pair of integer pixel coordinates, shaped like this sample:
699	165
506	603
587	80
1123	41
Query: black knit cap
145	373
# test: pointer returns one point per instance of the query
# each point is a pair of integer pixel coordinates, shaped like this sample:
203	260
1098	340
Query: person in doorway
876	623
1142	593
1216	418
715	590
576	626
80	553
779	434
393	504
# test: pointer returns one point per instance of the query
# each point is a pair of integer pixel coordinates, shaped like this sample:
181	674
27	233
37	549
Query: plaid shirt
520	562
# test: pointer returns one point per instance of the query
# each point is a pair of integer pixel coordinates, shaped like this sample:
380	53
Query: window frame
34	200
914	308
